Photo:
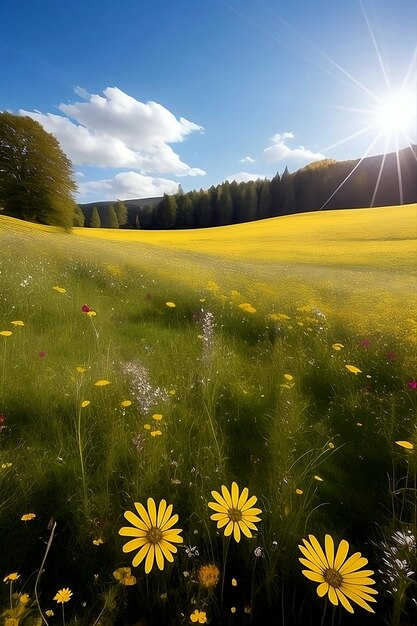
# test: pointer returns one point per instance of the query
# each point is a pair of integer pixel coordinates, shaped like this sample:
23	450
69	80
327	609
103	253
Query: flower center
154	535
234	515
333	577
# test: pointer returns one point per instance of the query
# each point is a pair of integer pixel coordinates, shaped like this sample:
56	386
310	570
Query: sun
396	114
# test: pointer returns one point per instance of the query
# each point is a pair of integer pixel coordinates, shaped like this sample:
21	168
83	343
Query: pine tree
111	220
121	213
95	221
167	211
224	205
275	189
249	203
287	204
264	209
36	177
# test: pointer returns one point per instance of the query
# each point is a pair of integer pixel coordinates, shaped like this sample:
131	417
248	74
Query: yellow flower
6	465
80	369
233	609
24	598
198	617
235	511
288	377
85	403
208	575
353	369
91	313
343	580
27	517
11	621
147	426
59	289
153	534
125	403
156	433
17	323
331	445
6	333
278	317
124	576
319	478
248	308
11	577
49	613
405	444
172	392
102	383
63	595
157	417
98	542
337	346
299	492
171	305
234	582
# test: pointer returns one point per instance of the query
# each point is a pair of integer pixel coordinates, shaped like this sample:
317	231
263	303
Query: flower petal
242	498
332	596
355	562
135	520
143	514
229	529
141	555
227	497
329	545
235	494
170	523
322	589
249	504
159	557
161	510
318	550
236	532
150	559
344	601
318	578
152	511
245	530
135	544
341	554
131	531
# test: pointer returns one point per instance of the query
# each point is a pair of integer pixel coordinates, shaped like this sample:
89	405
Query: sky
146	95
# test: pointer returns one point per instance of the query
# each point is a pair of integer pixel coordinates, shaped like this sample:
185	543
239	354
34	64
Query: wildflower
299	492
17	323
6	465
405	444
233	609
41	354
11	621
98	542
59	289
247	308
172	392
80	369
124	576
208	575
24	598
156	433
191	551
63	595
171	305
234	582
199	617
102	383
353	369
341	579
153	534
49	613
235	512
6	333
331	445
85	308
147	426
85	403
365	343
11	577
288	377
319	478
125	403
412	384
157	417
259	552
27	517
91	314
337	346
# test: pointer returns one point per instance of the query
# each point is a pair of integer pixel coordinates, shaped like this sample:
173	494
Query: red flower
85	308
412	384
41	354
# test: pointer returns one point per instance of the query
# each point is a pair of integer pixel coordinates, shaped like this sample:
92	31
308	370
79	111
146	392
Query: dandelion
342	580
235	512
27	517
198	617
6	333
125	403
405	444
208	575
24	598
63	595
17	323
353	369
153	534
124	576
102	383
11	577
171	305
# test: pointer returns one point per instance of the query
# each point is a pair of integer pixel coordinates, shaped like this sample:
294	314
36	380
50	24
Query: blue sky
146	95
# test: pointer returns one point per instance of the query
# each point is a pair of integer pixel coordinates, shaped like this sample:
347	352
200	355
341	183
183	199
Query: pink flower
365	343
85	308
41	354
412	384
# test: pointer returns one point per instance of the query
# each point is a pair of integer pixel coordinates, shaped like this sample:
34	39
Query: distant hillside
382	180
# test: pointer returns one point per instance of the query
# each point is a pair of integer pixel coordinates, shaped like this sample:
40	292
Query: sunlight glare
397	114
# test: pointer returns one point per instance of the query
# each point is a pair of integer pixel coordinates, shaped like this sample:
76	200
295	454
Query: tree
95	221
78	218
264	208
36	177
287	204
111	217
121	213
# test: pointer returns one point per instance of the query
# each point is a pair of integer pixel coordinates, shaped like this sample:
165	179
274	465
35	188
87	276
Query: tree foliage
36	177
95	221
111	220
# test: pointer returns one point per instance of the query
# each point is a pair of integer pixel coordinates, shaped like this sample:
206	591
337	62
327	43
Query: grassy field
279	354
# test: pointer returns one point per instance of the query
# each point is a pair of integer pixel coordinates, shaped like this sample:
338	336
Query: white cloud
126	185
244	177
83	93
279	151
247	159
119	131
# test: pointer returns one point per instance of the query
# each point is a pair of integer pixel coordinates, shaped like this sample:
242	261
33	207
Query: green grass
229	412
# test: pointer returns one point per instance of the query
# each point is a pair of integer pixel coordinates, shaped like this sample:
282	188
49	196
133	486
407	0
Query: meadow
163	366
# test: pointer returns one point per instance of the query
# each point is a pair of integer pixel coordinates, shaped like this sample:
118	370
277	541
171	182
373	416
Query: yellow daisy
343	580
235	511
153	534
63	595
